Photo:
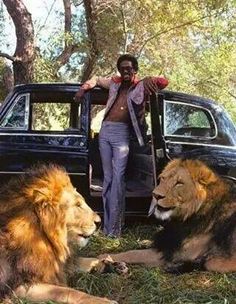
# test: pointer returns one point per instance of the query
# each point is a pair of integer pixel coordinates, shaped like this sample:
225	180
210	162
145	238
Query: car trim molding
36	134
23	172
200	144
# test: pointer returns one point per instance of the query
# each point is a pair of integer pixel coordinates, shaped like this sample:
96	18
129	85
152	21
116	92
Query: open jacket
135	99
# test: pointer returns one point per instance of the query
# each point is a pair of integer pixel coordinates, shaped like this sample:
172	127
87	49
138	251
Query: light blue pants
114	150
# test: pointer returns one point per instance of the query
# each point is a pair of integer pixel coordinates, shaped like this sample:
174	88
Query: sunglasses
126	69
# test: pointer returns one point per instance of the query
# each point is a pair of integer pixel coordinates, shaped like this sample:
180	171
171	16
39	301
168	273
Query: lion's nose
157	195
97	219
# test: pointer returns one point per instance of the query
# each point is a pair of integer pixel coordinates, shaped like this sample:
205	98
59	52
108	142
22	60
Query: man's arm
91	83
153	84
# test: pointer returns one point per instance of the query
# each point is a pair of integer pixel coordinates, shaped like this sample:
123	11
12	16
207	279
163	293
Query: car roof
168	94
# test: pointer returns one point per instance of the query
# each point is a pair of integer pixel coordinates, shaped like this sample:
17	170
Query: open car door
157	141
43	124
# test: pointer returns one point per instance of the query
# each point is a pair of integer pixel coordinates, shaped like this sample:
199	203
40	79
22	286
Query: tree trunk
92	58
23	63
8	80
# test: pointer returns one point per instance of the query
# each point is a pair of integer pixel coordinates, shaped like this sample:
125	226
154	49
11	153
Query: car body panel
181	125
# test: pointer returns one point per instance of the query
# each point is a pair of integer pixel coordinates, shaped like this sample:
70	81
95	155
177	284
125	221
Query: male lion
198	210
40	215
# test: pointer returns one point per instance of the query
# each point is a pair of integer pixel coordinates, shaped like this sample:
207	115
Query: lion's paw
88	299
107	265
180	267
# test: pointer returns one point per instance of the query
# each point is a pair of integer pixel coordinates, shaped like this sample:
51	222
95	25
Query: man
124	112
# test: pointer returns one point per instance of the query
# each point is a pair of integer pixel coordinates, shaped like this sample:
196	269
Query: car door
44	125
157	140
198	130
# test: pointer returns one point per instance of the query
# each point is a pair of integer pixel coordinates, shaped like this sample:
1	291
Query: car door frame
14	145
157	142
208	149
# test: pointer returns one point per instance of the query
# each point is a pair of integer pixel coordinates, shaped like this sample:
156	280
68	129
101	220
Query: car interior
139	171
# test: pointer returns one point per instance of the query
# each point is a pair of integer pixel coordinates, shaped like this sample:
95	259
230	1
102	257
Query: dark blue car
41	123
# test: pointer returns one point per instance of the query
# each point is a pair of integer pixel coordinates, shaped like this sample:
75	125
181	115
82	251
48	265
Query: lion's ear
41	197
206	176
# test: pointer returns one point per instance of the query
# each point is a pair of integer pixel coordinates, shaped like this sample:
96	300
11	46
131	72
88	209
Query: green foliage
44	70
191	42
55	116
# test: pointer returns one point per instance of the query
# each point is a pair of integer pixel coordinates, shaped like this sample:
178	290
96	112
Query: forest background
191	42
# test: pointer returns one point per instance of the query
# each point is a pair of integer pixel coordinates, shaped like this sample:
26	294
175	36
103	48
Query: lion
41	215
197	209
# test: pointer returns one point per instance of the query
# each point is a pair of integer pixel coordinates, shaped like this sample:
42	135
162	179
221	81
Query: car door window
50	116
54	111
17	116
184	120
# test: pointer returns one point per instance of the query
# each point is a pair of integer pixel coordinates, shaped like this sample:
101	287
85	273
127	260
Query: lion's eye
161	178
78	204
179	183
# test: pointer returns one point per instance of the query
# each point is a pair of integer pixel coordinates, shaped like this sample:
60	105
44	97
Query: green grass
150	285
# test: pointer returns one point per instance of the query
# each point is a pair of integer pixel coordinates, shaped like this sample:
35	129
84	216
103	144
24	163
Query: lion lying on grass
40	215
198	210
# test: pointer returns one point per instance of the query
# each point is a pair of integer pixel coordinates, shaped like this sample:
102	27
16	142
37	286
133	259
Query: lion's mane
33	228
202	209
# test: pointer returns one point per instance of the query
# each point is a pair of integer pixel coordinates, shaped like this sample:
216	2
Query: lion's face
182	190
63	212
80	219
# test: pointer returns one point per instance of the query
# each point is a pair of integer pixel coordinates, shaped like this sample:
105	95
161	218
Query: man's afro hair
127	57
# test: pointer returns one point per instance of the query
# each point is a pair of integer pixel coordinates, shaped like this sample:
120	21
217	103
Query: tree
191	42
25	54
23	58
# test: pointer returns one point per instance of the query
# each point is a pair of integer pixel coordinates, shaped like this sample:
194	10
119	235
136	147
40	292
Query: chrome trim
199	144
27	106
229	177
36	134
195	106
22	172
27	111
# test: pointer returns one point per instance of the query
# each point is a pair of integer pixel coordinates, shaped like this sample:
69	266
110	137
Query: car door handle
159	153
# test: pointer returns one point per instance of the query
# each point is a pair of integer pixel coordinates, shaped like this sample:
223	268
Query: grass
150	285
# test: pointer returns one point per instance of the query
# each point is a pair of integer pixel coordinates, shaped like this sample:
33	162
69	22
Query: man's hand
79	95
150	85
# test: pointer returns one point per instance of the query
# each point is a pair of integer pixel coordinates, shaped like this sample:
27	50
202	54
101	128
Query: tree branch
69	48
124	27
64	57
12	58
78	4
46	19
219	86
171	29
67	8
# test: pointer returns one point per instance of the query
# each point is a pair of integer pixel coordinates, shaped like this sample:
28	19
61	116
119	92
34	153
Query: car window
17	116
185	120
50	116
54	110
